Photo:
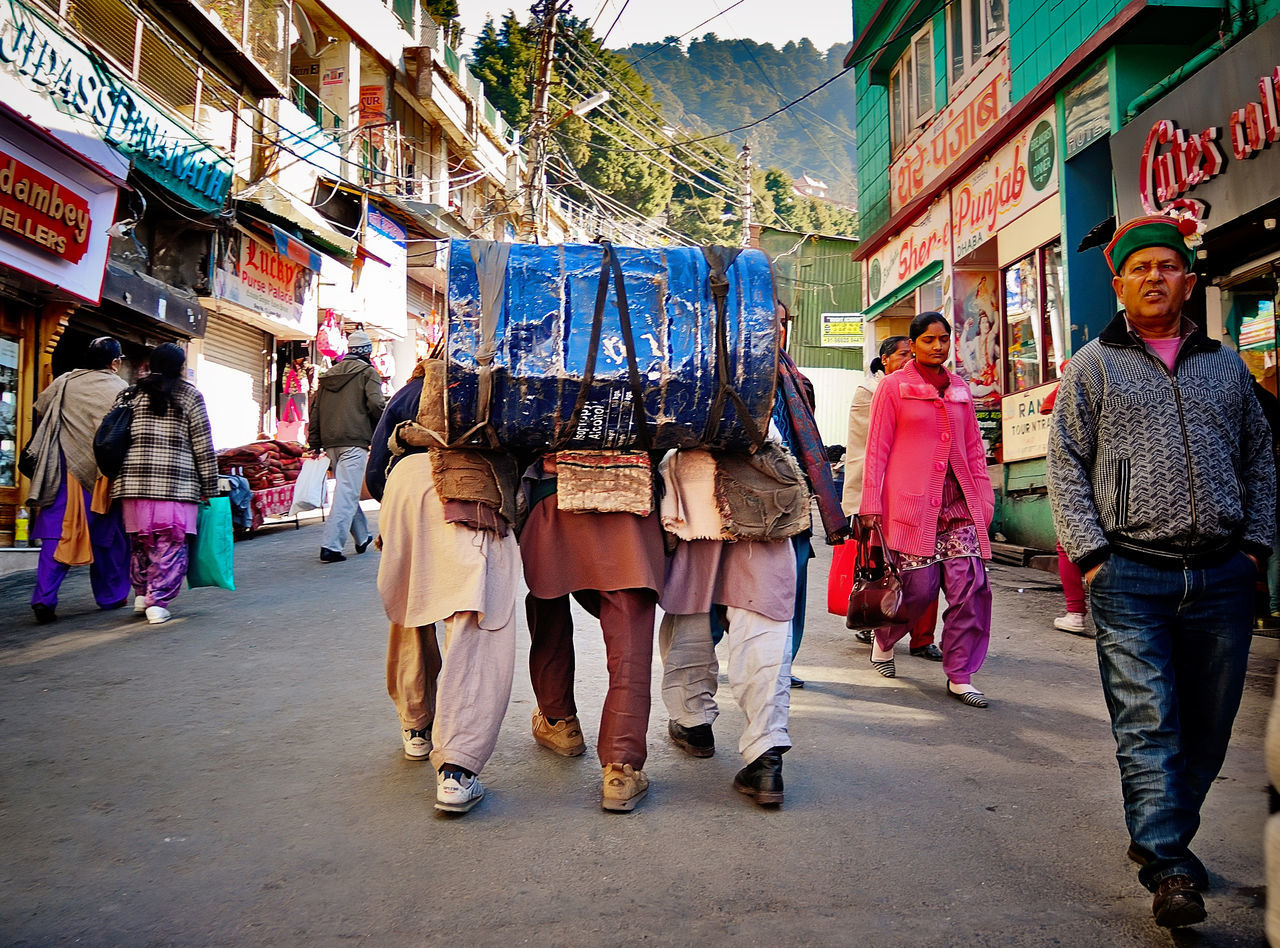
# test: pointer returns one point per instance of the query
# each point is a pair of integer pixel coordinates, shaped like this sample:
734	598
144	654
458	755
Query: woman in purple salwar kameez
169	469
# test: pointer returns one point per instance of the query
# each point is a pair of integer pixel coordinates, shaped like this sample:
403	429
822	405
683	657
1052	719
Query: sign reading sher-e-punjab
35	208
975	109
909	251
1004	187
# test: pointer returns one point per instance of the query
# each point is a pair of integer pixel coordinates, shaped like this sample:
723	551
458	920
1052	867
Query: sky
825	22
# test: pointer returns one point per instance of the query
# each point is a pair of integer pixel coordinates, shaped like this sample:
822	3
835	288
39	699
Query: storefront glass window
1035	321
8	411
1249	309
1022	324
1056	340
929	296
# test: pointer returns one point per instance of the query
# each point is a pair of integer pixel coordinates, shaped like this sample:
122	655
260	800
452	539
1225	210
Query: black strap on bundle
610	264
719	260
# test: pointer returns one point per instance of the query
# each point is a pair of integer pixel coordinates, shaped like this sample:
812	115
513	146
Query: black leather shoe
44	614
762	778
864	636
697	740
361	547
1177	903
329	556
930	652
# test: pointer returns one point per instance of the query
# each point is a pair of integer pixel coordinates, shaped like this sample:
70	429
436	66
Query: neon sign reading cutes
1174	161
78	85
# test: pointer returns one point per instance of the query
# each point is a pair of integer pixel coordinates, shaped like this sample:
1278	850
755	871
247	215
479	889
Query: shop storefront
55	207
263	294
988	254
1211	148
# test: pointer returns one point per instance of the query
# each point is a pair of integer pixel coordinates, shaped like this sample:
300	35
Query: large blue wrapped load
519	346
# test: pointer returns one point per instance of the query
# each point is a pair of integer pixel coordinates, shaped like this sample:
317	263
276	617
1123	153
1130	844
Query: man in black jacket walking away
1163	492
344	412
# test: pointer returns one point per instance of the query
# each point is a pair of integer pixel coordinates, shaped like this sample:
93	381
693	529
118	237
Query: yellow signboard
842	329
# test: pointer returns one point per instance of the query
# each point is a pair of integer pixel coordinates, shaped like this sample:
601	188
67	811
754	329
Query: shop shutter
231	379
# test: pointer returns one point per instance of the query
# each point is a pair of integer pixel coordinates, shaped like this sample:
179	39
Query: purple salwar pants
109	571
966	623
159	564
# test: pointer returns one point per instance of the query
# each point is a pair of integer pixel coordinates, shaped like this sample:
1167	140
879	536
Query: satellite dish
306	33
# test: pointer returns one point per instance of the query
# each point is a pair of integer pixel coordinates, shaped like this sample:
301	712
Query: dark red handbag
876	598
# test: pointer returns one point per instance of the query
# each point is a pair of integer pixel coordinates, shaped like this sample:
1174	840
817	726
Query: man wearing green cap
1163	492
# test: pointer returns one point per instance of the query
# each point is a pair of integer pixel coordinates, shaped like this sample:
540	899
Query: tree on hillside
442	10
602	146
504	58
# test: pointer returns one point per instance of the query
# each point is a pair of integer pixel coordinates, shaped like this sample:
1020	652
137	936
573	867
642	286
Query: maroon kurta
565	552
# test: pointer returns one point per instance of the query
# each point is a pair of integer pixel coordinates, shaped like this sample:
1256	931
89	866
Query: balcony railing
308	103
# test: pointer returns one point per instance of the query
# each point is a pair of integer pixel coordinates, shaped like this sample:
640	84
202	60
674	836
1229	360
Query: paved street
235	777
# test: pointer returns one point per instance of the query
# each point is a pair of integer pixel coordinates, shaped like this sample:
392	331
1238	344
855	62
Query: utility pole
744	193
531	223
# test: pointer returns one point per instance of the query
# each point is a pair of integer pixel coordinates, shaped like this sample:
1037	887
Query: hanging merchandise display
330	339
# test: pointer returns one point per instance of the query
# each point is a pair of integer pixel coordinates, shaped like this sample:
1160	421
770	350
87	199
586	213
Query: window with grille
911	89
974	29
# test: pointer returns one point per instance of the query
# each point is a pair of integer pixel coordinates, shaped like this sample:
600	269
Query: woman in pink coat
925	484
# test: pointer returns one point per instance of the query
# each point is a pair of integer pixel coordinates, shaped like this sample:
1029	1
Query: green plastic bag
210	560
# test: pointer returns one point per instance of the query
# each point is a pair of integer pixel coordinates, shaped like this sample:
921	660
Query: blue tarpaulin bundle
538	353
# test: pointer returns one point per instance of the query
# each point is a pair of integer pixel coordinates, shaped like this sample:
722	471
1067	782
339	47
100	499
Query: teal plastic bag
211	559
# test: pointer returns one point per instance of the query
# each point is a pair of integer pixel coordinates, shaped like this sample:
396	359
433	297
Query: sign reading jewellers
1213	142
33	53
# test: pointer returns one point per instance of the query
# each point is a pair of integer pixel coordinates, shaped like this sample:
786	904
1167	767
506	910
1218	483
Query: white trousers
473	691
759	674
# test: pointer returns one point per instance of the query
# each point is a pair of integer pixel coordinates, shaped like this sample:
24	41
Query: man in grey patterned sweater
1163	487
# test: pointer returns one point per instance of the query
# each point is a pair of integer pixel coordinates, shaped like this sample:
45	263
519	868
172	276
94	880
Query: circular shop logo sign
1040	156
875	279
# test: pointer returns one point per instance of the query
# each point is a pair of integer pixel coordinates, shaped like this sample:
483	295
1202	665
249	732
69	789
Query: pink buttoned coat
915	433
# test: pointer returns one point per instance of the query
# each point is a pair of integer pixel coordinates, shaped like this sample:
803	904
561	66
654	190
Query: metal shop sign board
976	108
843	330
78	84
1213	143
1011	182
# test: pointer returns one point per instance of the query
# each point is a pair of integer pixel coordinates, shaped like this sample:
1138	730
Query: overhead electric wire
604	39
606	73
902	30
717	188
677	39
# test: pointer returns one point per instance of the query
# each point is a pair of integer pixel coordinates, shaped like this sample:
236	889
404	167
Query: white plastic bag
309	488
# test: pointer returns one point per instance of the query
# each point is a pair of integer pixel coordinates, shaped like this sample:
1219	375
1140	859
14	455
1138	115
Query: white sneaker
157	614
456	793
139	605
417	743
1072	622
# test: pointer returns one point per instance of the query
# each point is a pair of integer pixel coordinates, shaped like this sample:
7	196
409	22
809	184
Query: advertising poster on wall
256	277
977	347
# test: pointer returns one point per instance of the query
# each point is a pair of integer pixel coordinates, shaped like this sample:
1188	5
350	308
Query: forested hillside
718	84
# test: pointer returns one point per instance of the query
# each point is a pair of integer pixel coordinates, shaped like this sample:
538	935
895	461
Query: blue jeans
1173	646
345	516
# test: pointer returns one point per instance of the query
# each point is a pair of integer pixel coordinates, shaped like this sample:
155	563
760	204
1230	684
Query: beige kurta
431	569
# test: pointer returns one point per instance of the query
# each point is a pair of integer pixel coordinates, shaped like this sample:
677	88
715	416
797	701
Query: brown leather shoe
564	737
624	787
1177	903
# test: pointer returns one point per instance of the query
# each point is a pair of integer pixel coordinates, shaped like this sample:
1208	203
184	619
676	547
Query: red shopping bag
840	579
